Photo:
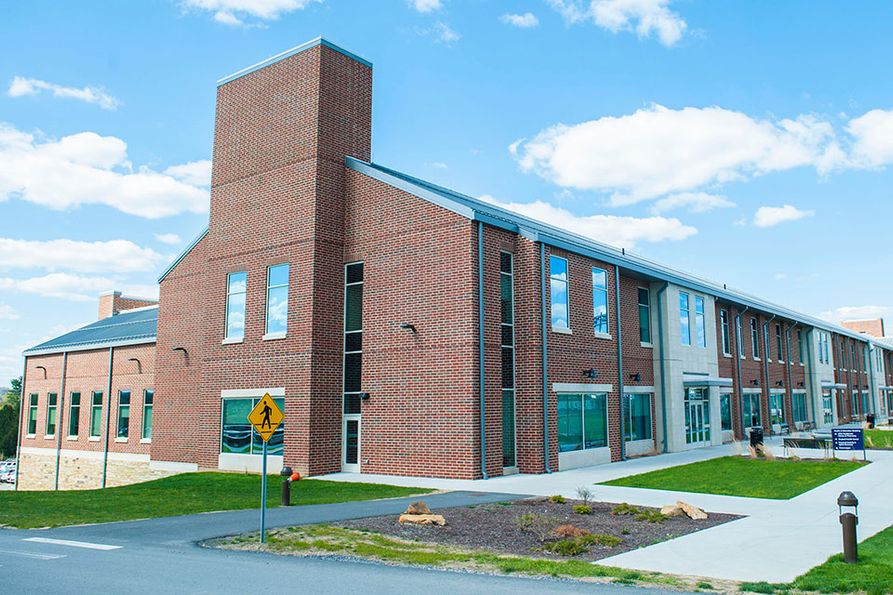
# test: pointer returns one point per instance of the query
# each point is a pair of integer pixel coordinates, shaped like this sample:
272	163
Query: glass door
350	441
697	417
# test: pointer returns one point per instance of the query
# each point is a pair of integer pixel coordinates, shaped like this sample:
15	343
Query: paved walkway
778	541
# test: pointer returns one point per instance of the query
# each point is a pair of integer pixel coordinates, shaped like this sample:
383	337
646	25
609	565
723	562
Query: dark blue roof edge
90	346
183	254
559	238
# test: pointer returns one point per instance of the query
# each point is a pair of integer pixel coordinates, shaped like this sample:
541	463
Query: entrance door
697	418
350	444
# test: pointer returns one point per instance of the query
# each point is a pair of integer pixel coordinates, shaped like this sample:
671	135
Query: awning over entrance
837	385
886	388
695	380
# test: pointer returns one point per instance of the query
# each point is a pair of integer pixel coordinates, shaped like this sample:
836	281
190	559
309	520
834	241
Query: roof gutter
545	360
60	418
481	367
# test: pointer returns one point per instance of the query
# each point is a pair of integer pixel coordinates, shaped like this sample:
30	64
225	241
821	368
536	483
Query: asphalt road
161	556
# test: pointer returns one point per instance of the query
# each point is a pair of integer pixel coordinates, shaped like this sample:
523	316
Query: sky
750	143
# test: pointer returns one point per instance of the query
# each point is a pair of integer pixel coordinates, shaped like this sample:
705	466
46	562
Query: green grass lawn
879	439
187	493
741	476
873	574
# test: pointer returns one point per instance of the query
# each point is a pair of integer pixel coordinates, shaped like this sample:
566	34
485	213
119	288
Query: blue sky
748	142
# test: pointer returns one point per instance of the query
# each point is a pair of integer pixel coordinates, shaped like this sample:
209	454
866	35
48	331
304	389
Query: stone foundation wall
82	470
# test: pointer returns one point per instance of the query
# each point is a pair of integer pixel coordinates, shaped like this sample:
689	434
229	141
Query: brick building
408	329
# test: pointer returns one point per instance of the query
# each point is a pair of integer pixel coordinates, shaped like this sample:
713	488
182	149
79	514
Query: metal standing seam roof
132	327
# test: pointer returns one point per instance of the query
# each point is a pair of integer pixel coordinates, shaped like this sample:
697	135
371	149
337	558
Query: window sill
273	336
71	438
605	336
756	359
781	361
93	438
802	364
562	331
49	436
120	440
32	436
145	441
233	341
646	345
728	355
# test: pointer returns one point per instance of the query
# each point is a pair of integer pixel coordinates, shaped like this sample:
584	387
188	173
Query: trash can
870	418
756	436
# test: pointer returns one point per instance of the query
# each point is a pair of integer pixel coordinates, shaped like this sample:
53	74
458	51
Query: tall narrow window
277	299
754	338
644	315
123	413
96	414
800	356
507	328
148	403
724	327
32	414
827	343
236	288
558	284
684	319
353	336
637	411
739	340
600	300
778	343
700	322
74	414
725	411
51	414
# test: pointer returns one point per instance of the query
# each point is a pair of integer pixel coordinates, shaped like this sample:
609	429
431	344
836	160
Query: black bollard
848	521
286	486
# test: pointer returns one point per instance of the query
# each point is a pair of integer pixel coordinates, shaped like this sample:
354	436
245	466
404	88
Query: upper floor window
800	358
600	300
558	286
51	414
236	288
684	319
277	299
754	338
700	322
778	343
724	329
739	341
32	414
644	315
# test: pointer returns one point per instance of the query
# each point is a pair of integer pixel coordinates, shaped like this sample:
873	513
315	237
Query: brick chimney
112	303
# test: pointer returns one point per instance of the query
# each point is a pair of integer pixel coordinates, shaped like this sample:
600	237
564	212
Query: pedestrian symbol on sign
266	417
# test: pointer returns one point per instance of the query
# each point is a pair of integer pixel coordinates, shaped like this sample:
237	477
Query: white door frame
345	466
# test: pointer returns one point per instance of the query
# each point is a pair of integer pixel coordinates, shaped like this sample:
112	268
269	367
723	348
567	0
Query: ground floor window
776	409
74	414
827	408
697	416
123	414
798	404
854	412
32	414
866	403
582	421
508	428
637	415
51	414
237	435
95	414
148	404
889	402
750	410
725	411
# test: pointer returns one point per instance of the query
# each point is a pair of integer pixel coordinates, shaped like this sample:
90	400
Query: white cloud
8	312
21	87
694	202
196	173
439	165
425	5
234	12
842	313
444	34
645	17
87	168
780	276
524	21
771	216
168	238
873	138
622	232
118	256
80	288
657	150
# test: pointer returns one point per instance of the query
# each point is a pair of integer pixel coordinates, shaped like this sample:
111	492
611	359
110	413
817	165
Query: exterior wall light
779	383
364	396
409	327
755	382
635	377
591	373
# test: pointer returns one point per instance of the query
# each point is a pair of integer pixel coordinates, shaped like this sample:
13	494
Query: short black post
849	520
286	486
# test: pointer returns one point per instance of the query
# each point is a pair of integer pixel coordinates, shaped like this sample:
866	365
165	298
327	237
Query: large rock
693	512
672	510
418	508
423	519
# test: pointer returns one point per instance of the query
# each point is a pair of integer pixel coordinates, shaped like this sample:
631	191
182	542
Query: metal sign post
263	497
265	418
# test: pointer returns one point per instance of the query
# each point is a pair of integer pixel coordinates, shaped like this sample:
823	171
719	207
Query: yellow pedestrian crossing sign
266	417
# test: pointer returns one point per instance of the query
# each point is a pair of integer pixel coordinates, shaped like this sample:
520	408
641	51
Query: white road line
82	544
36	556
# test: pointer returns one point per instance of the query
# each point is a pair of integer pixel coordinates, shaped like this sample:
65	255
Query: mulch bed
494	527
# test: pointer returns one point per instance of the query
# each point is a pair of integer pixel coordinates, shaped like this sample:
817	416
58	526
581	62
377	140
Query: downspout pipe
871	390
766	352
663	376
481	368
812	378
739	346
108	419
620	365
21	431
60	416
790	368
545	346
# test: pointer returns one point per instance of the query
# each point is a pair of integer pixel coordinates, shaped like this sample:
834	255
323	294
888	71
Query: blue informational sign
848	438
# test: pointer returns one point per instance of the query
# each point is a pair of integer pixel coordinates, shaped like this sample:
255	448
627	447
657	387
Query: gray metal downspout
108	418
812	376
21	419
790	367
739	347
766	353
481	347
620	365
870	366
663	377
545	346
59	418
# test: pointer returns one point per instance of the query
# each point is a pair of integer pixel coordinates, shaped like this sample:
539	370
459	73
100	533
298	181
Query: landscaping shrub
566	547
568	532
651	516
601	539
557	499
540	525
625	509
583	509
584	494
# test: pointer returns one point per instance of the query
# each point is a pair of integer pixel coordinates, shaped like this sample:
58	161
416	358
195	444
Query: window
800	355
148	402
826	341
51	414
96	414
754	338
778	344
236	288
637	417
237	435
600	300
700	323
74	414
776	409
32	414
353	336
827	408
878	360
558	284
724	328
277	299
123	413
684	319
739	341
644	315
507	327
798	405
725	411
582	421
750	411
